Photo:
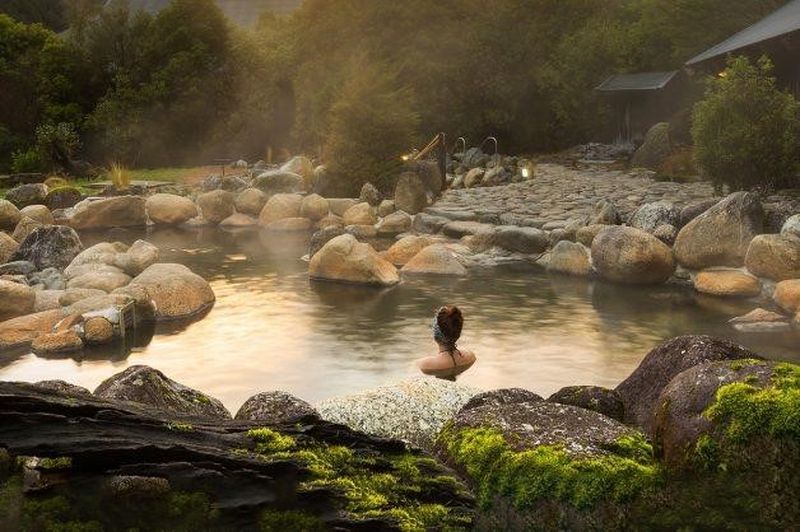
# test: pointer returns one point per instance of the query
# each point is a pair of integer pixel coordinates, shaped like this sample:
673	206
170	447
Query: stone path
557	195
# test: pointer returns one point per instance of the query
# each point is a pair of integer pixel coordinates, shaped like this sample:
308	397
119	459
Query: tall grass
120	176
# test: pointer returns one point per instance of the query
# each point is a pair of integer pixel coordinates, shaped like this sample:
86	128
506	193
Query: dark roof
642	81
784	20
243	12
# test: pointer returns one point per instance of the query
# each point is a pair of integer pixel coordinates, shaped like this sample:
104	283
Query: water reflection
272	328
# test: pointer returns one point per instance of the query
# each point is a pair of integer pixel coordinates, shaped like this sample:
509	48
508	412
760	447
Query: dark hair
450	322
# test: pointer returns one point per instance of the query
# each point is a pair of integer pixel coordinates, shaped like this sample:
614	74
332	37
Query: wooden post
443	158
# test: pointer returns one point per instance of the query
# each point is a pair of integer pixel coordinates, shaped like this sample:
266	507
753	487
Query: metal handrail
487	139
463	141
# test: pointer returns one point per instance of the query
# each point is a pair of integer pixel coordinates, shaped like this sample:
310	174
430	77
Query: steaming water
273	329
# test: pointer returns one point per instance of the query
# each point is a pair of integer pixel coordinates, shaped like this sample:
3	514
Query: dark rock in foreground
275	407
497	398
121	466
640	391
596	398
145	385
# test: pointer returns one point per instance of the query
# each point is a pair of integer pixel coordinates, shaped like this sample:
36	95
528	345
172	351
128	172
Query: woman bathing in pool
450	361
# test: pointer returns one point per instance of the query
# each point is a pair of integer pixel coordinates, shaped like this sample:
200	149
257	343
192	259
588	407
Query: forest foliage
334	79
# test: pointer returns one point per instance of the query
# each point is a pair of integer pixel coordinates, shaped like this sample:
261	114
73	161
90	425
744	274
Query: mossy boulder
63	197
641	390
595	398
145	385
735	424
545	466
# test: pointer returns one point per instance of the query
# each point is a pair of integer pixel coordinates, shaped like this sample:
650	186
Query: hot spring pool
273	329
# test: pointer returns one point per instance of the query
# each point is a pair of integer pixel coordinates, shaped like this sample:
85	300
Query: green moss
180	427
746	410
268	441
742	363
202	399
706	453
62	462
392	486
549	471
277	521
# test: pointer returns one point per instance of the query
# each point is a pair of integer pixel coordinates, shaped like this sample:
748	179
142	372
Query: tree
373	123
746	129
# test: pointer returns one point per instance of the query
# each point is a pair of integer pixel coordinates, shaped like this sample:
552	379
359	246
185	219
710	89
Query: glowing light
526	173
405	157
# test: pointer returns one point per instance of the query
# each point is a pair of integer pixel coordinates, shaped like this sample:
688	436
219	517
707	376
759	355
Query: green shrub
30	160
746	129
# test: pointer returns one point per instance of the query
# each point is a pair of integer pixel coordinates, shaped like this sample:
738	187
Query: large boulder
651	215
66	341
596	398
170	209
40	213
9	215
628	255
148	386
410	194
726	282
107	281
50	246
274	408
15	300
279	182
322	237
280	206
339	206
28	194
21	331
394	224
406	248
787	295
436	259
775	257
176	291
216	205
250	201
683	417
113	257
722	234
640	391
570	258
693	210
24	228
314	207
8	246
414	410
345	259
520	239
360	214
655	148
120	211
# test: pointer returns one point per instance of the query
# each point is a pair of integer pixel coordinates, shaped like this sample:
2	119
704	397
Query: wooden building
777	36
639	101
